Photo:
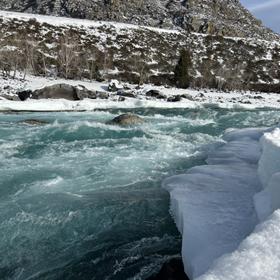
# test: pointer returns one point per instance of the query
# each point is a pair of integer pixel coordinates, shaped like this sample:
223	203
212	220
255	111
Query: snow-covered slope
98	50
82	23
217	206
221	17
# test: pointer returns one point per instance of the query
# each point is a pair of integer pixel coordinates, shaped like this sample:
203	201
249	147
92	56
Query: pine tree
181	73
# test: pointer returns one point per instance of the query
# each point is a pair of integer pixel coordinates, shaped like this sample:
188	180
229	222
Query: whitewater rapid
83	199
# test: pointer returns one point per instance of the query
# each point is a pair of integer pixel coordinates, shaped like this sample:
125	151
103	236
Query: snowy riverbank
195	98
217	206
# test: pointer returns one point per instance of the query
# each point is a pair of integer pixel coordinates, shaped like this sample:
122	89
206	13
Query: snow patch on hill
60	21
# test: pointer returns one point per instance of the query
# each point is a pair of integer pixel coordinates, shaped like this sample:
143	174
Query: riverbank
128	96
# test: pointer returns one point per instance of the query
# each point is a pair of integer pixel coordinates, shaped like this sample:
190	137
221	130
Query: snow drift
217	206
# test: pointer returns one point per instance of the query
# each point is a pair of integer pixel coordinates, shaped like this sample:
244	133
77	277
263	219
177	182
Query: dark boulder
126	93
82	93
121	99
63	91
102	95
155	93
25	94
187	96
175	98
127	119
57	91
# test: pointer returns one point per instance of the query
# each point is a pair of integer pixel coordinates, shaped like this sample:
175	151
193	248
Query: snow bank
217	206
268	200
213	204
270	160
258	256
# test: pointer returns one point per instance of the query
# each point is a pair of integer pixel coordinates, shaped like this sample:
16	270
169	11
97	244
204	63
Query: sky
266	10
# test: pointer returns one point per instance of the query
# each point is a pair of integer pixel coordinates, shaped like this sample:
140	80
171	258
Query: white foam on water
9	148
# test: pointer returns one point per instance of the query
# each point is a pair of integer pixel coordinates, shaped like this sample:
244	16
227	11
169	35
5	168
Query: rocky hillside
219	17
59	47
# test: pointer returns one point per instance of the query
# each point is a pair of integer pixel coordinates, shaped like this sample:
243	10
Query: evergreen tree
181	73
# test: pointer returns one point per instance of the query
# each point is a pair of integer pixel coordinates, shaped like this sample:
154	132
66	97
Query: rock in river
34	122
127	119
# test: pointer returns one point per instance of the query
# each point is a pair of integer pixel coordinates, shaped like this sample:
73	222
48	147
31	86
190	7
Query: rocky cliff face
219	17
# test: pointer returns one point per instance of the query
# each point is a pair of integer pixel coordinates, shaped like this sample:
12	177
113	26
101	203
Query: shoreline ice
217	206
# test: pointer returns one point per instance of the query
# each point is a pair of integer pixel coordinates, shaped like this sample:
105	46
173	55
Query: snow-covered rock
115	85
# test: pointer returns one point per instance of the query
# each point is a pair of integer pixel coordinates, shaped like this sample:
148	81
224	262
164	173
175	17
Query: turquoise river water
80	199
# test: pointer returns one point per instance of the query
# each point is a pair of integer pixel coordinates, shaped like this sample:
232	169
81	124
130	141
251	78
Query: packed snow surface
258	256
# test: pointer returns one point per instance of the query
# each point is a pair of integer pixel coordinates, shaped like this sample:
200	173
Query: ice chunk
270	159
213	204
213	207
249	133
269	171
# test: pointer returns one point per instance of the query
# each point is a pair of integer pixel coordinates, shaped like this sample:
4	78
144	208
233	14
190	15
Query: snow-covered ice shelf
217	206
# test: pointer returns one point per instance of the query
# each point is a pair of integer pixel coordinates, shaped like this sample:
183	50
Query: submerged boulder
34	122
127	119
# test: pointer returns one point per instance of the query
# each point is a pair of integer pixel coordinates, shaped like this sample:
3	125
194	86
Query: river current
81	199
